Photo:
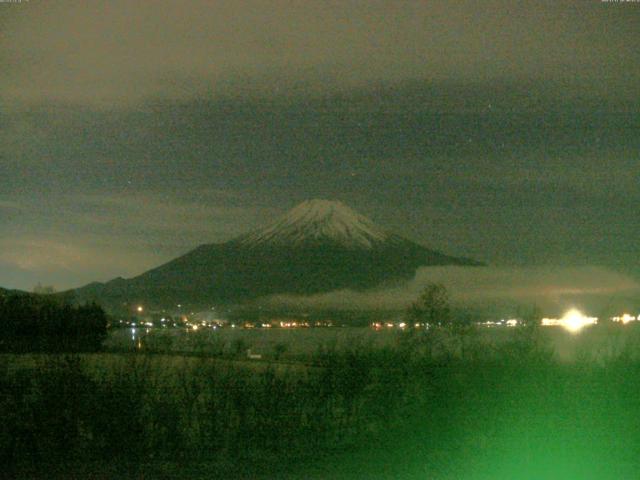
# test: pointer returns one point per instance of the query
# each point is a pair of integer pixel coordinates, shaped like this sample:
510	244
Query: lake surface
600	343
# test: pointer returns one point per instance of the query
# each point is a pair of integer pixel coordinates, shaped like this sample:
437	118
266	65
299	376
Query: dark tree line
45	323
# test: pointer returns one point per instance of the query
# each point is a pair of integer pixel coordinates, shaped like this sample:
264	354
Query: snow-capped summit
319	222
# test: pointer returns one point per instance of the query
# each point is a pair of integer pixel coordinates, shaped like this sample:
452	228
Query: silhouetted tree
432	307
43	289
35	322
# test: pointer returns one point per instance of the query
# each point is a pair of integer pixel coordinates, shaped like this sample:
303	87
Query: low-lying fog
500	290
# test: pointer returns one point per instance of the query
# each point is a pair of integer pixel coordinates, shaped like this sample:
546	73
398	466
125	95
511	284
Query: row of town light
573	320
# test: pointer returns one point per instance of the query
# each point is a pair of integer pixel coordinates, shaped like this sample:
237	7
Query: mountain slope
318	246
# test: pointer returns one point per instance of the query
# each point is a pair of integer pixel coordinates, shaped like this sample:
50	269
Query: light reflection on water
137	336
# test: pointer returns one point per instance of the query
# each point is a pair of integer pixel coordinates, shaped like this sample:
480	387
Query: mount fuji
318	246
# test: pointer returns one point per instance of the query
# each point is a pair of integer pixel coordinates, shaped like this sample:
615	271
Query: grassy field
441	405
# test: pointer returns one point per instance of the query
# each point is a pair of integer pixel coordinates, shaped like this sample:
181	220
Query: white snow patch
319	221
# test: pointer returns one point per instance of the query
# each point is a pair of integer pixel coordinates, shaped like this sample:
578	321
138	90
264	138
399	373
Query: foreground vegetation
433	405
31	322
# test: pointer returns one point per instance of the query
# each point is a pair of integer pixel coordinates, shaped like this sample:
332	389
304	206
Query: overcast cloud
133	131
122	51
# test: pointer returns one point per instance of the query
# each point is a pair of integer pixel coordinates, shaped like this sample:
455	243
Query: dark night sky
132	131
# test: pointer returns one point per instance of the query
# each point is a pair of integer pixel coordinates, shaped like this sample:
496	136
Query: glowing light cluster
574	320
511	322
400	325
625	318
